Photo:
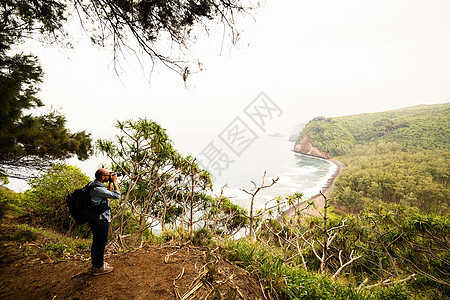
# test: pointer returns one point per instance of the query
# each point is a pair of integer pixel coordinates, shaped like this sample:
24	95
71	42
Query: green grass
55	245
287	281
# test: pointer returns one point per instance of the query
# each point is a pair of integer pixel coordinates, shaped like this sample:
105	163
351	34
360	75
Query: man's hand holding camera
103	175
112	181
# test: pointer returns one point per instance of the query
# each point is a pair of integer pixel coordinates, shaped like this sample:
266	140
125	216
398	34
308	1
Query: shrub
47	196
9	201
3	205
202	237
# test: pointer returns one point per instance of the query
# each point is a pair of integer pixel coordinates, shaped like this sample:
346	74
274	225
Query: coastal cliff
304	146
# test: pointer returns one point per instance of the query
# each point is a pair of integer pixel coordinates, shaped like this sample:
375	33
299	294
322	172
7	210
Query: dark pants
99	230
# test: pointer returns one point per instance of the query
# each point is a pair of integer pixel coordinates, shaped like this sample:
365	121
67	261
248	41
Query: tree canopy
135	25
30	141
399	156
418	127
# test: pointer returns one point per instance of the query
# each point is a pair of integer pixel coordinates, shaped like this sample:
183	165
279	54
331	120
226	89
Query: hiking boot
103	270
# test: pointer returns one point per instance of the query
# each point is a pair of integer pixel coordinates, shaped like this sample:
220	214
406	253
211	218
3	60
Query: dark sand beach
327	189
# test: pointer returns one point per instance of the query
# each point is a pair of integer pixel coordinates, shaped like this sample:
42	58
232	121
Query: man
100	225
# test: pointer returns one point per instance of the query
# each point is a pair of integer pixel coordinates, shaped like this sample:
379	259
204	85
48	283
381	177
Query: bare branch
352	259
389	282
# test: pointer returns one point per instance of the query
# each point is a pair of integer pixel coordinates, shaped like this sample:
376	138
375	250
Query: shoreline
327	189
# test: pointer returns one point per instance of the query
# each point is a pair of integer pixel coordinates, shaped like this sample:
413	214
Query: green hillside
423	126
398	157
396	178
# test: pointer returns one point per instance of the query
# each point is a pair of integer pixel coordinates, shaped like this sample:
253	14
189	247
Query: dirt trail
154	272
327	189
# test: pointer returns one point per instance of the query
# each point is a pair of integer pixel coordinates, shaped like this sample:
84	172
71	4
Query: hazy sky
311	57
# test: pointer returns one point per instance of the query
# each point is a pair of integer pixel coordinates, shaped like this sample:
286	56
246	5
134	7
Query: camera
116	173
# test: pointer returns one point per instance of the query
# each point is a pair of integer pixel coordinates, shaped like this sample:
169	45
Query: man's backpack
81	207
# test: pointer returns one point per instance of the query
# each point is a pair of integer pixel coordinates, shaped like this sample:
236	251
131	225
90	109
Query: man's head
102	175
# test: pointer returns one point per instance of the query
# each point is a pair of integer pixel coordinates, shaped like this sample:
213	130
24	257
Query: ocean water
273	156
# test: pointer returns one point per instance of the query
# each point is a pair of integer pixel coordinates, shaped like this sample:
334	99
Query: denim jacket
100	194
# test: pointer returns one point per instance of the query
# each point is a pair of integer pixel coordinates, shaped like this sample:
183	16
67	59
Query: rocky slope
304	146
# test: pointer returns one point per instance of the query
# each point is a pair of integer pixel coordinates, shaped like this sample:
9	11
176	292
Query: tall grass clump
285	281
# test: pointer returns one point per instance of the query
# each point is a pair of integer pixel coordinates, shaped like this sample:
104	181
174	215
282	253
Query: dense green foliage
286	280
400	156
423	127
390	242
46	199
395	243
9	201
329	136
385	173
37	142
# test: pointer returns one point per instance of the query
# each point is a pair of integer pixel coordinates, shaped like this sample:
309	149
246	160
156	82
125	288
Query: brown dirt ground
153	272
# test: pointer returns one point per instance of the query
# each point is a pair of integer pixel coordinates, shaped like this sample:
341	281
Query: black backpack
81	207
